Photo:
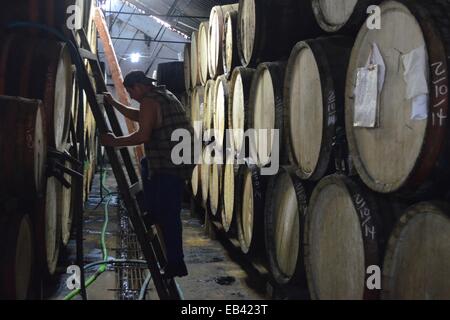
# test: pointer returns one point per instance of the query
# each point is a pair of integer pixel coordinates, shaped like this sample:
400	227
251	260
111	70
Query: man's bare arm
147	122
130	113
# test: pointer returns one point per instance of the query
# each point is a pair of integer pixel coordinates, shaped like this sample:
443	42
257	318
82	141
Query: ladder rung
135	189
86	54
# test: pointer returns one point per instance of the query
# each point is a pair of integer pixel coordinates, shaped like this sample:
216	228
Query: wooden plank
116	73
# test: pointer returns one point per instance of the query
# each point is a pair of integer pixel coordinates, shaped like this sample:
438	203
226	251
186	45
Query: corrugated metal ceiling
134	31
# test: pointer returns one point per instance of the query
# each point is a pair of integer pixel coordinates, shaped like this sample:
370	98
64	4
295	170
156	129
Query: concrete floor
212	273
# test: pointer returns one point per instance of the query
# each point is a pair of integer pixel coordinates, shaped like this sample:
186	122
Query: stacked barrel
356	116
39	107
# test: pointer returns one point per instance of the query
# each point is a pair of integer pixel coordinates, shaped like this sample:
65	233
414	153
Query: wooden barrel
48	227
217	26
17	258
91	145
284	224
23	147
197	110
87	166
268	29
251	188
266	108
417	260
240	85
187	67
195	180
209	107
229	44
407	147
195	68
40	69
344	235
171	75
221	93
93	152
314	98
203	50
215	189
75	98
185	100
52	13
66	198
343	16
230	195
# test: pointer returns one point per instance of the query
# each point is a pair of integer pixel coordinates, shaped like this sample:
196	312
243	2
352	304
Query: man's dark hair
137	77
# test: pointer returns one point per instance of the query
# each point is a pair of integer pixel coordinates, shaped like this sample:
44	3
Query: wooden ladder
129	187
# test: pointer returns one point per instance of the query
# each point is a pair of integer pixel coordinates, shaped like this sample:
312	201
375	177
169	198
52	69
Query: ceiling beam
157	15
148	40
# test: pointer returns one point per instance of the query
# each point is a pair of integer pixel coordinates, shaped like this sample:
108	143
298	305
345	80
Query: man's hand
108	98
107	139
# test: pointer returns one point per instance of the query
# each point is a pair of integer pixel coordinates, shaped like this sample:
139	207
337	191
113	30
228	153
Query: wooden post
116	74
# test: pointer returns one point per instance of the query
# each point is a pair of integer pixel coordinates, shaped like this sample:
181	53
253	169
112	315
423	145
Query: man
160	114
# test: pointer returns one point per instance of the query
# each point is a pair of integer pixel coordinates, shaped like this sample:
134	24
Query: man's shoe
175	270
149	220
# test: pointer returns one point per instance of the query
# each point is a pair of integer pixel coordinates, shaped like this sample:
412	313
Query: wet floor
213	275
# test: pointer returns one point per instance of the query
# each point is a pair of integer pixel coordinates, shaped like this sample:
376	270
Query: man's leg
151	196
171	191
